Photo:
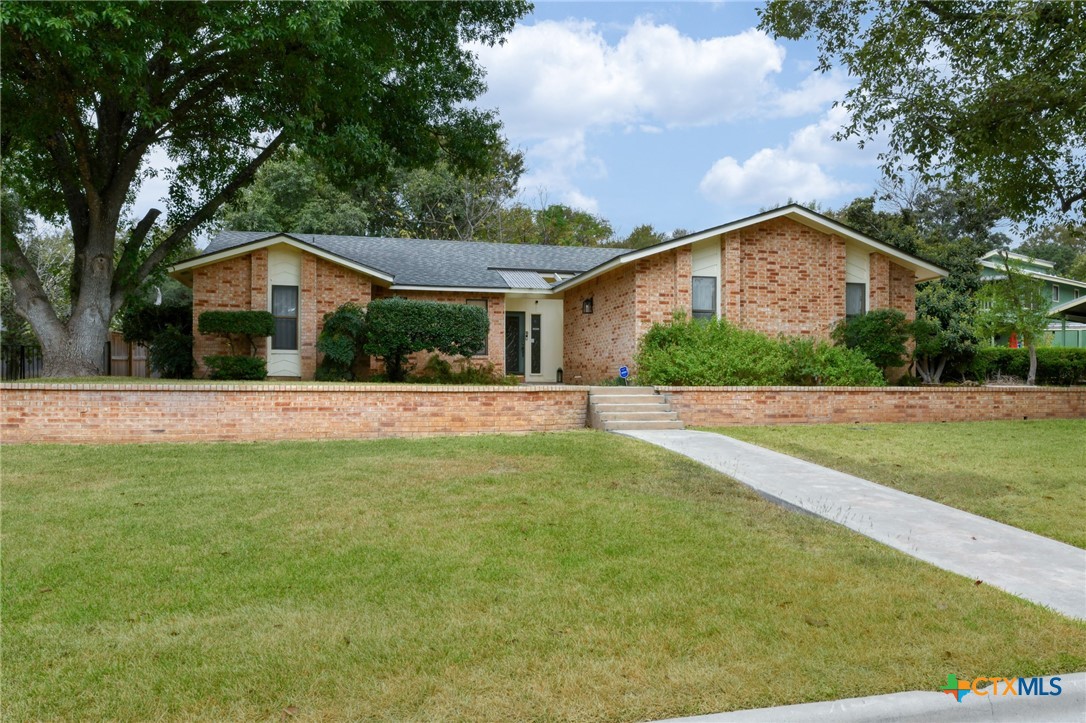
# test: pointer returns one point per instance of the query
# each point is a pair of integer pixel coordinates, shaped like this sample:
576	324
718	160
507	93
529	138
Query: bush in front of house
881	335
343	334
814	362
234	324
396	328
687	352
159	316
170	353
237	326
236	367
1055	365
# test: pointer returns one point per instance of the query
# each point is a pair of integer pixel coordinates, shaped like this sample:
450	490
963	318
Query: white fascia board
470	289
243	249
927	271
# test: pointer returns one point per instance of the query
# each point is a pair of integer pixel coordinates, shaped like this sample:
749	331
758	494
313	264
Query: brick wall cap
915	390
300	388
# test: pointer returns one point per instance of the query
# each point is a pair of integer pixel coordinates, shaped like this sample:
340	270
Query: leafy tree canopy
90	90
991	91
1062	244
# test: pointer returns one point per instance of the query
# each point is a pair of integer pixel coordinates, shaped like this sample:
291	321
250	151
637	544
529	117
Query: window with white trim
855	300
1055	293
285	310
703	293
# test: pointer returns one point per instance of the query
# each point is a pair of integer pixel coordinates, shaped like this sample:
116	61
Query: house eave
178	269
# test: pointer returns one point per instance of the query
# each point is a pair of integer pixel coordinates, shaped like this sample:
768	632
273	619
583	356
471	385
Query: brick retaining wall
732	406
117	413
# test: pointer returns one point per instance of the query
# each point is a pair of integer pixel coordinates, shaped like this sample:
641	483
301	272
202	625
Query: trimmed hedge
245	323
236	367
1055	365
398	327
715	353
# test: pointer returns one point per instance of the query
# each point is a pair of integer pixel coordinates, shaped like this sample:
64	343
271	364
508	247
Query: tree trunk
937	377
80	352
1032	378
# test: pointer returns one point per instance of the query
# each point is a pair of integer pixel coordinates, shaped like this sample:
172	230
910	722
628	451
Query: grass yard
578	576
1029	474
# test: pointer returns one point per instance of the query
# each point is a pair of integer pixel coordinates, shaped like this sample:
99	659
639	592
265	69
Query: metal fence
20	362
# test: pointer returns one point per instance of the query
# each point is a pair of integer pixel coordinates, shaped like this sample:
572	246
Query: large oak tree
91	90
982	90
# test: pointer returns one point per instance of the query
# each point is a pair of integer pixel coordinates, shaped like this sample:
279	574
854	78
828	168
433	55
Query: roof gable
924	270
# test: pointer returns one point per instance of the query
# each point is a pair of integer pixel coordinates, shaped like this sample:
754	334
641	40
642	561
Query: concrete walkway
1033	567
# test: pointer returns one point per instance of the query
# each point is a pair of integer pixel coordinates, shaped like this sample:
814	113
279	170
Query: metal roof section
523	279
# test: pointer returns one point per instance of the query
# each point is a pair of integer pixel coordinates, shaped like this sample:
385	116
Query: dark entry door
514	342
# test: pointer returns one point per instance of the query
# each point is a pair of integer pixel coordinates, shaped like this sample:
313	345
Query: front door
514	342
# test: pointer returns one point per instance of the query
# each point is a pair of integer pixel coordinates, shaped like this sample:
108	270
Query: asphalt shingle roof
422	262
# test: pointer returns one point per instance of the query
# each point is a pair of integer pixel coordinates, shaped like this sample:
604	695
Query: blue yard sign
623	372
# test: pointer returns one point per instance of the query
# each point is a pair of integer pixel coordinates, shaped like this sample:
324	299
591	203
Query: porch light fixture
586	306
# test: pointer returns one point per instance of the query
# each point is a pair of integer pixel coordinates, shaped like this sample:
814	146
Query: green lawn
1028	474
578	576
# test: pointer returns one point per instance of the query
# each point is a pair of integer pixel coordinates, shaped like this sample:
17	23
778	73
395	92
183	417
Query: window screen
481	303
855	300
285	311
704	293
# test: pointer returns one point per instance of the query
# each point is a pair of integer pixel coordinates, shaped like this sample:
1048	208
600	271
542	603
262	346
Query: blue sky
674	114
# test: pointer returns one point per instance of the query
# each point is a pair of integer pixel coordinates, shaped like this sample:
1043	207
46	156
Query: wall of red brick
733	406
595	345
781	277
130	413
240	283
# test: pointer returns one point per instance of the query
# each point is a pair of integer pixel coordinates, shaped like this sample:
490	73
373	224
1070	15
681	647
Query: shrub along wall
114	413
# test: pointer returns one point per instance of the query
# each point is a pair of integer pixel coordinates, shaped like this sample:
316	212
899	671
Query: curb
1069	705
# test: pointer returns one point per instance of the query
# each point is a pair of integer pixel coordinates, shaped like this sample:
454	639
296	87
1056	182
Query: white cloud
799	170
558	77
769	176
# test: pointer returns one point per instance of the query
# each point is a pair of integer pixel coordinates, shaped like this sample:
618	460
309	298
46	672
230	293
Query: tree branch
205	213
30	296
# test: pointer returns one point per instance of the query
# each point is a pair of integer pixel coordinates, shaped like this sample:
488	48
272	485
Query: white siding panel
857	264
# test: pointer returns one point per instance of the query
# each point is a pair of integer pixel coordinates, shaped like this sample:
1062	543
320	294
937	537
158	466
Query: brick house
560	313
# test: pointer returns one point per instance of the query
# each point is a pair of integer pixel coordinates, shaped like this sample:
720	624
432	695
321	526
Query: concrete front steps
614	409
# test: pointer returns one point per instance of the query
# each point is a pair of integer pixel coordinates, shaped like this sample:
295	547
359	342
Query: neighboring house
1067	297
560	313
